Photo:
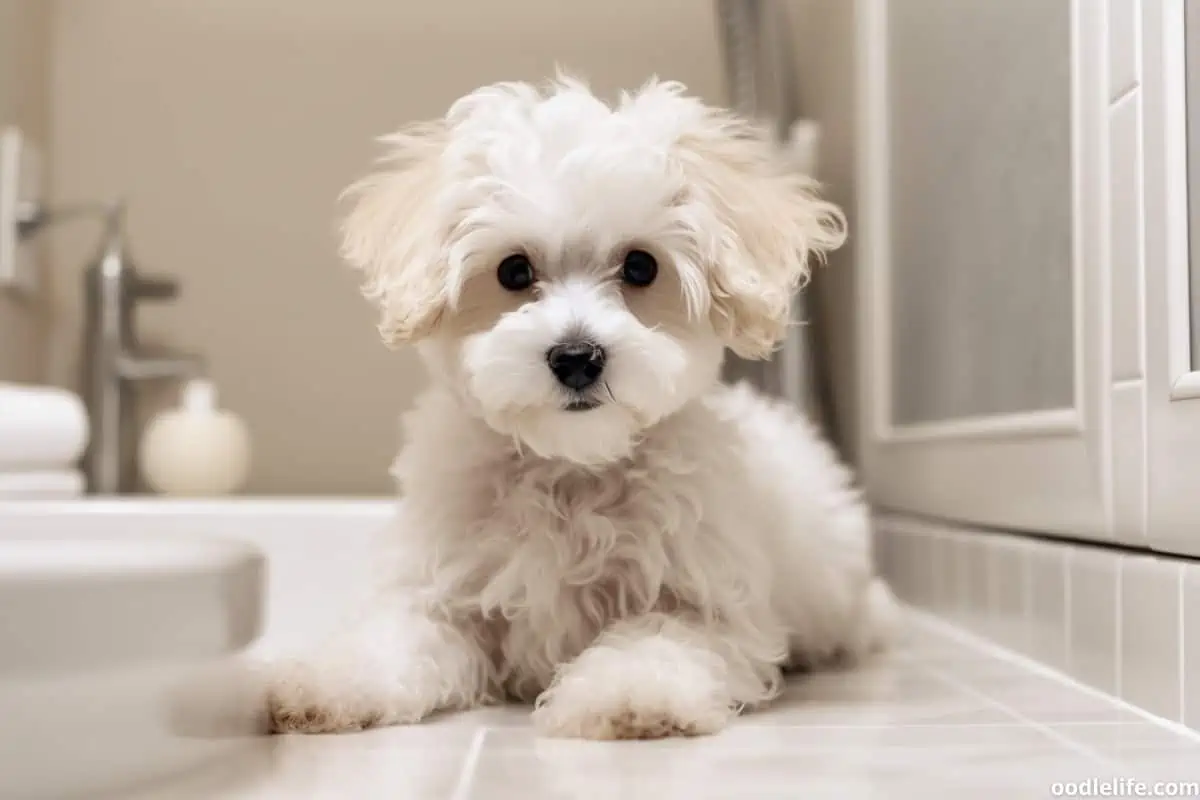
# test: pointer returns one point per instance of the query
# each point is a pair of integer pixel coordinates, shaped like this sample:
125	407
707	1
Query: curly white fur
643	568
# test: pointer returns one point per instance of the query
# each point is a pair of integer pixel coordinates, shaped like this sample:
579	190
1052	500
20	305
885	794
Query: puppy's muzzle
577	364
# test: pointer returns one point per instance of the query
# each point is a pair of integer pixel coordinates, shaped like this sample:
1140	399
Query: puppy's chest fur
566	552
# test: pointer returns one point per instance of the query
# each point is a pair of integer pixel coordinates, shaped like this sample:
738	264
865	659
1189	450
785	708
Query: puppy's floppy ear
769	223
392	234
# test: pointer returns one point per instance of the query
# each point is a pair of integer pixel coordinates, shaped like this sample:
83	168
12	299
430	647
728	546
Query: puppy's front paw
304	698
631	706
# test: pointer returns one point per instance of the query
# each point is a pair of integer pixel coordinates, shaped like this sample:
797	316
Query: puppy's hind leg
837	609
397	665
881	621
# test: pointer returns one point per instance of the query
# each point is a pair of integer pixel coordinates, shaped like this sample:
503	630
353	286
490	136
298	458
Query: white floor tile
936	718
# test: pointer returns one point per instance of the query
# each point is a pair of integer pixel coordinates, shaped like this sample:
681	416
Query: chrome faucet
114	364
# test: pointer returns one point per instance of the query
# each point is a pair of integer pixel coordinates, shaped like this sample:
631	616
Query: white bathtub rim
37	559
248	506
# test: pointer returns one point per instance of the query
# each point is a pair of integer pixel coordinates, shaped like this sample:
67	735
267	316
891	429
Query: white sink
116	655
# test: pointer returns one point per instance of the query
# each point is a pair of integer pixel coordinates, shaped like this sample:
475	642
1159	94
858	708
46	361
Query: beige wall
231	126
24	54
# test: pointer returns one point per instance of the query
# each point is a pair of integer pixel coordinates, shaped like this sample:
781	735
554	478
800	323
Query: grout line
994	650
1028	621
466	776
1119	637
1068	610
1181	643
1046	730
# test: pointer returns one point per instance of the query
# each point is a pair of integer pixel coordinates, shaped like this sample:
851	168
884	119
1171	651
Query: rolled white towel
49	484
41	428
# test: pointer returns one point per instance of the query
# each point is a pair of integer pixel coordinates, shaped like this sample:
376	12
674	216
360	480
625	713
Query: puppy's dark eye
639	269
515	273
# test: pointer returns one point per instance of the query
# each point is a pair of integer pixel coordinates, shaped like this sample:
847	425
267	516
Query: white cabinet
1001	243
1170	40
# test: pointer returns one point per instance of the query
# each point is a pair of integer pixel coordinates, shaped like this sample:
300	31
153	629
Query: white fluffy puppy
589	518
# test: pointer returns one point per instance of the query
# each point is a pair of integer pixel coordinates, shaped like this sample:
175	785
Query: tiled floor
946	716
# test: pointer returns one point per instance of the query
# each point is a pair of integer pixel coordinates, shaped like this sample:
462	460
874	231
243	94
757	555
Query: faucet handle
157	364
154	287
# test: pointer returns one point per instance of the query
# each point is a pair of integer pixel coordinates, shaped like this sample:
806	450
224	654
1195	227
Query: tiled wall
1123	622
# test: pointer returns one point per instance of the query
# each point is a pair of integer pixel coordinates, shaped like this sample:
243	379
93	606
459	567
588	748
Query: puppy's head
574	270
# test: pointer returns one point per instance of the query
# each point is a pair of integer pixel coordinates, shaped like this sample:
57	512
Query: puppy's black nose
577	365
